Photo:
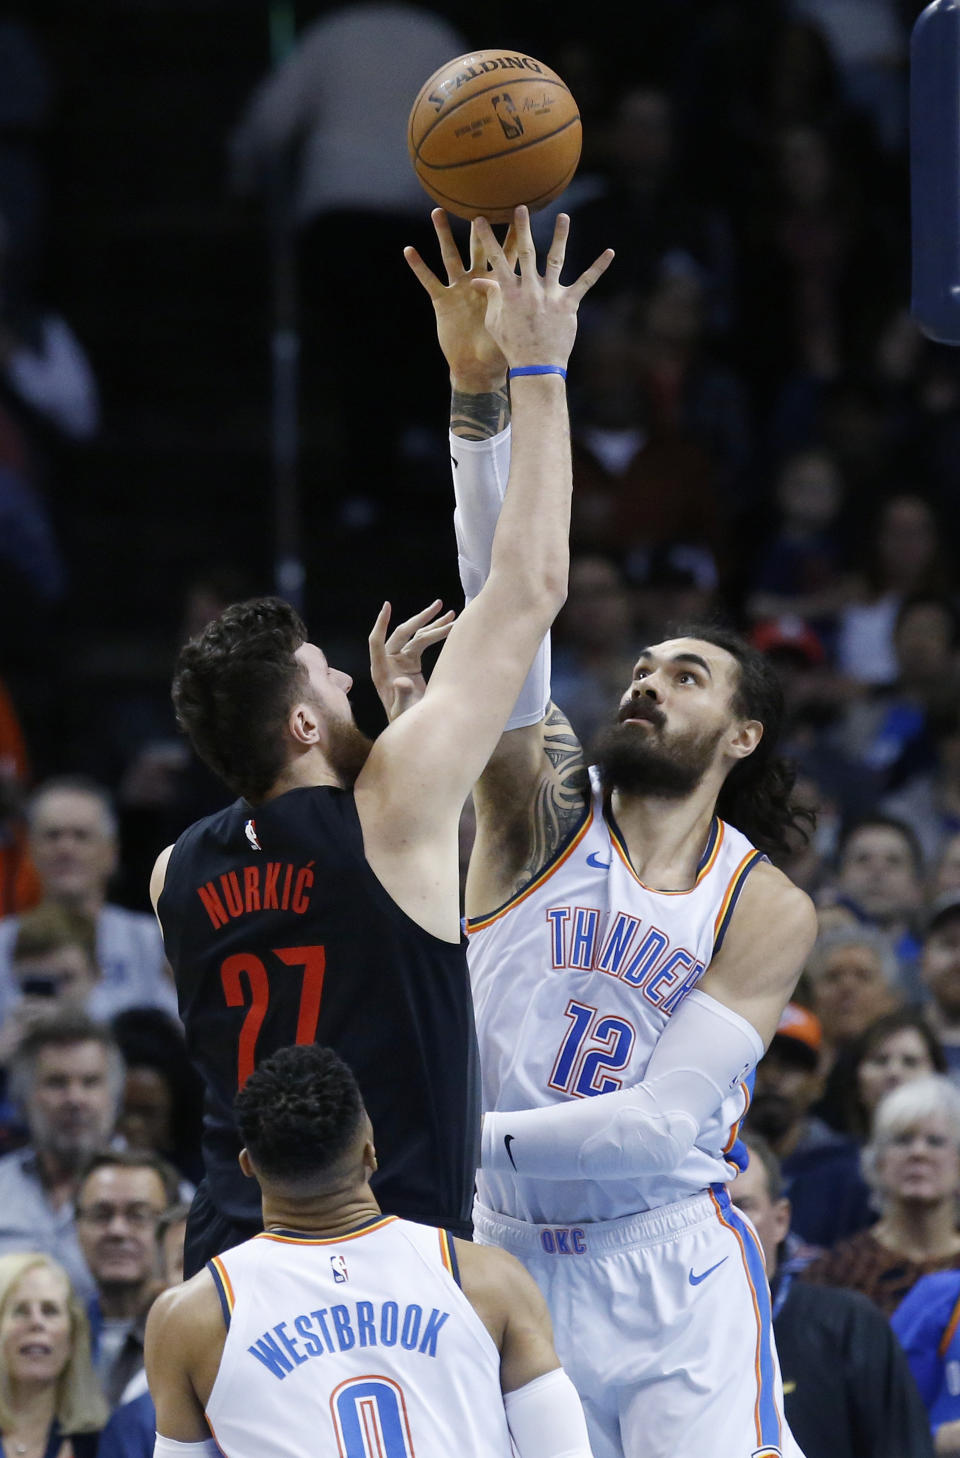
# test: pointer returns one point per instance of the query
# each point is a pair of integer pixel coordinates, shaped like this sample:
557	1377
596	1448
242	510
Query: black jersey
278	932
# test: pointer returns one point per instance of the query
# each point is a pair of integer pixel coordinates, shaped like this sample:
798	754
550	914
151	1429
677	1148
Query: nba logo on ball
339	1267
491	130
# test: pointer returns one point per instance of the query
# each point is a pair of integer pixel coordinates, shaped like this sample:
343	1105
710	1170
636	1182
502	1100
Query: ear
745	739
305	724
370	1165
243	1159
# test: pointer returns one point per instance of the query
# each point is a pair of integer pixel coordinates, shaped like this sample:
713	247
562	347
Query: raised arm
532	794
410	793
709	1046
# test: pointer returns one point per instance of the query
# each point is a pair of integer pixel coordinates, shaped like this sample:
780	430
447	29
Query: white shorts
662	1321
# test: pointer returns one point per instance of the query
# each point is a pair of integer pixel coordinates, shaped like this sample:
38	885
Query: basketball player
324	903
341	1329
628	939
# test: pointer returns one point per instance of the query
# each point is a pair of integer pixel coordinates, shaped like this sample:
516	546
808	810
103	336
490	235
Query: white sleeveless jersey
358	1347
574	980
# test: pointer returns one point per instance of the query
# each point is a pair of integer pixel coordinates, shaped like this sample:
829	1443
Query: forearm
480	448
649	1128
531	542
546	1418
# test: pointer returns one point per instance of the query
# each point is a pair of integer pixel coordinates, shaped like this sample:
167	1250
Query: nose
649	688
344	680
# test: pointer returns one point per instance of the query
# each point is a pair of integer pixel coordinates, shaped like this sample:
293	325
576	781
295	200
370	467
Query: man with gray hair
73	841
67	1075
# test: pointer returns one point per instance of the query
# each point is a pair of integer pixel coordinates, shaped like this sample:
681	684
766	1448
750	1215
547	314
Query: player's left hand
395	661
476	361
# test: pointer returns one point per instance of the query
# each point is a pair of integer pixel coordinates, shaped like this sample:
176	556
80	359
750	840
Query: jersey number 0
246	983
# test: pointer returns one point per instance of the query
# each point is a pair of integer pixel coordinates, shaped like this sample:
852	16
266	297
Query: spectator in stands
800	569
880	884
940	972
120	1198
820	1166
895	1048
50	1403
906	557
162	1109
927	1323
852	977
930	798
594	644
132	1429
889	732
67	1076
847	1390
73	840
912	1163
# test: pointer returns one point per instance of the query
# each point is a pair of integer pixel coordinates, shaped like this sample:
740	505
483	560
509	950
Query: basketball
493	129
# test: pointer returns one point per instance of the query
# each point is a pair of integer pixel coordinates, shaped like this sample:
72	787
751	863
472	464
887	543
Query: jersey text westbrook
342	1327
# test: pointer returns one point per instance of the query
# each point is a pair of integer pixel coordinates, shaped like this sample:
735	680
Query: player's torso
575	980
279	933
360	1345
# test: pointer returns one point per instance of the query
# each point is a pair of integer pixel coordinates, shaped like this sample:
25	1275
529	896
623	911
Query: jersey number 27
246	983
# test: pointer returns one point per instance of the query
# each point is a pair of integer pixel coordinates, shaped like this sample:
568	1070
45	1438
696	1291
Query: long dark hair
757	794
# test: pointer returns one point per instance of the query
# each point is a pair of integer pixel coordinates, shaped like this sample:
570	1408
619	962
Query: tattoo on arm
480	417
561	796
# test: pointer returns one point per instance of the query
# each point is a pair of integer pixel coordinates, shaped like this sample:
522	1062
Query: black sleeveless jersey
278	932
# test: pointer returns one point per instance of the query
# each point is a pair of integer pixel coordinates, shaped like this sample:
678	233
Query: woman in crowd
893	1050
912	1163
50	1403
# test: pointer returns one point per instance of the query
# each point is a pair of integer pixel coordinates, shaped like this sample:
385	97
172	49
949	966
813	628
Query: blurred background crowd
195	193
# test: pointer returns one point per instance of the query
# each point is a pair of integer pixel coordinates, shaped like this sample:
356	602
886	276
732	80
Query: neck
58	1175
666	838
305	772
33	1406
121	1302
323	1216
921	1231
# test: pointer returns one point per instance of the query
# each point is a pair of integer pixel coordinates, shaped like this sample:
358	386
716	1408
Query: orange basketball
493	129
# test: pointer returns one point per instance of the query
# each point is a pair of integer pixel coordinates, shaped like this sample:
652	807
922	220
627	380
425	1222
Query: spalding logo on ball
493	129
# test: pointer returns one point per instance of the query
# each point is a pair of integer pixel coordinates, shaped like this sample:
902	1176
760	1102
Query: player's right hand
477	364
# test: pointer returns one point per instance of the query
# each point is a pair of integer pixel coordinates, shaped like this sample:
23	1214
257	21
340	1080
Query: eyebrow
648	653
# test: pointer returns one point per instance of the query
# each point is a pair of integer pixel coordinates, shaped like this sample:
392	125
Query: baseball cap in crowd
789	634
799	1034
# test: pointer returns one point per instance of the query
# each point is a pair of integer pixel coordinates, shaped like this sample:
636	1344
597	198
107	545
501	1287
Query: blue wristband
536	370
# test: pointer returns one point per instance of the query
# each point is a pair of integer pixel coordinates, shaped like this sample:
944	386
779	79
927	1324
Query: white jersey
573	981
362	1346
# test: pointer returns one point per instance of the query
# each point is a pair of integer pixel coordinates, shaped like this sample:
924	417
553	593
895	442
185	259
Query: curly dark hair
298	1112
233	688
757	794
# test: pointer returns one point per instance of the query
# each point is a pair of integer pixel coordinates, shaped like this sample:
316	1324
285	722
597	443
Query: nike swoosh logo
695	1280
598	865
507	1141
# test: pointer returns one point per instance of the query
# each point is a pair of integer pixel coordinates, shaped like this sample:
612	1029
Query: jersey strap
732	896
223	1287
478	923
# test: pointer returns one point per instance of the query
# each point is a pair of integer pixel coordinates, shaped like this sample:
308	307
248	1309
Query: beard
651	761
347	750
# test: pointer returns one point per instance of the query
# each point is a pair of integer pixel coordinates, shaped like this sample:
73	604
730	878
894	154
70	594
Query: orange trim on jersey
220	1447
950	1331
445	1250
756	1311
225	1282
734	888
324	1239
480	922
735	1128
707	861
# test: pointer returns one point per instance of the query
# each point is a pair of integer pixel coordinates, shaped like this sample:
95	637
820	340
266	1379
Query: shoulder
771	902
188	1314
494	1276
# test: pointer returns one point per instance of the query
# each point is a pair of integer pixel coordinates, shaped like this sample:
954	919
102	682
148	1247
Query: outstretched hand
475	360
532	317
395	662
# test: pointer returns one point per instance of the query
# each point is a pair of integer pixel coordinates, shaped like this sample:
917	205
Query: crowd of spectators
760	432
